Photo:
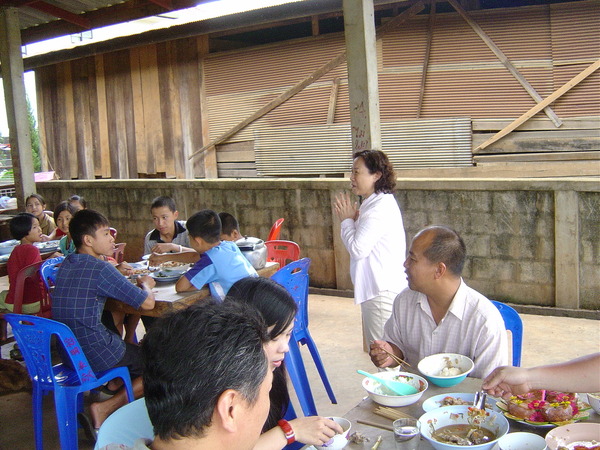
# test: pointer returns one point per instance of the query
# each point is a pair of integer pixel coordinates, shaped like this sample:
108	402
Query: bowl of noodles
455	427
446	369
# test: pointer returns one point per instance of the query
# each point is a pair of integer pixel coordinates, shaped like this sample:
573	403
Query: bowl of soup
574	436
455	427
446	369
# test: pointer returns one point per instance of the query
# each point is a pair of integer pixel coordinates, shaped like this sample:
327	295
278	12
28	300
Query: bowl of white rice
446	369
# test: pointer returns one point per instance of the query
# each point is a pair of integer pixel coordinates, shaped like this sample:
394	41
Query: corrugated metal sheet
29	17
327	149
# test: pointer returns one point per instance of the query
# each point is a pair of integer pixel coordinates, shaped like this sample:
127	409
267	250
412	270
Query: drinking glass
406	434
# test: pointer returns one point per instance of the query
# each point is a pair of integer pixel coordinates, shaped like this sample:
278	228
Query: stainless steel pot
255	250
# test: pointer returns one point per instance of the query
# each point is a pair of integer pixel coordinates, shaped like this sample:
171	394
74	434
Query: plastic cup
407	434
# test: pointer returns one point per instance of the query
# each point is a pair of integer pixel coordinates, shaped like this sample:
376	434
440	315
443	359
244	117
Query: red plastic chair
275	230
283	252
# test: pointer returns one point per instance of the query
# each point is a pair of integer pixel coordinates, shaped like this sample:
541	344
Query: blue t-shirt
83	284
220	267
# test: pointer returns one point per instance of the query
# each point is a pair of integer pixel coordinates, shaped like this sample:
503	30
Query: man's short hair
446	246
206	225
194	355
160	202
85	222
229	224
21	225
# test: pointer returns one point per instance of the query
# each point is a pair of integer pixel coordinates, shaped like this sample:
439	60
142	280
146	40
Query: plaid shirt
83	284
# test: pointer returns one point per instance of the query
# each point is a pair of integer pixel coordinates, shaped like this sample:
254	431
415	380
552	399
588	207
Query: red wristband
288	431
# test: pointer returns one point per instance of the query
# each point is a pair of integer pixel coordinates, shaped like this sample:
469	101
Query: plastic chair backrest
282	252
514	324
34	335
118	253
49	270
275	230
125	425
31	275
294	278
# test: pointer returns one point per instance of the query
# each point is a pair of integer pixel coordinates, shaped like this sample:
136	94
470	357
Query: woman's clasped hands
345	208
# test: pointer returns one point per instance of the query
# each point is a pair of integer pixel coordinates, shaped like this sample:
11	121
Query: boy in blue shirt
221	263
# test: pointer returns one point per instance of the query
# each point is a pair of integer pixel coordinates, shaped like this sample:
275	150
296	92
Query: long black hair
278	309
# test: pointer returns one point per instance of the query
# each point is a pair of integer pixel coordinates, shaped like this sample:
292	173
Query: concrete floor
336	328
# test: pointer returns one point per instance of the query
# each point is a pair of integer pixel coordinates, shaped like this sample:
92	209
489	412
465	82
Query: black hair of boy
21	225
78	198
205	224
85	222
229	224
160	202
64	206
223	350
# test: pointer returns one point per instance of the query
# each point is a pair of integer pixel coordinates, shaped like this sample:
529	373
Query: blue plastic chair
294	277
34	335
125	425
513	323
49	270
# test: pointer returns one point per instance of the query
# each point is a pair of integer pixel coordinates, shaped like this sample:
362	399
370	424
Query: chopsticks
391	413
376	425
398	360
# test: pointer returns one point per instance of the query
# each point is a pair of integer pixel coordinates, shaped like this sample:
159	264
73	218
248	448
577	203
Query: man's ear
440	270
236	235
87	240
176	214
228	410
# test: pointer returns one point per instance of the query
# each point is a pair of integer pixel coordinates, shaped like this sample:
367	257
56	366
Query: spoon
394	386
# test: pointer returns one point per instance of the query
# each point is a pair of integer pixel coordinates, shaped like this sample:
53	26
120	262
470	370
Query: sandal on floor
88	427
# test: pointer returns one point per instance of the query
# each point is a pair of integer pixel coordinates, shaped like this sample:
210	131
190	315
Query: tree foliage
35	137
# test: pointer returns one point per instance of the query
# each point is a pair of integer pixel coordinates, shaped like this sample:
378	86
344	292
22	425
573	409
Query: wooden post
430	27
359	26
333	96
210	157
16	104
566	249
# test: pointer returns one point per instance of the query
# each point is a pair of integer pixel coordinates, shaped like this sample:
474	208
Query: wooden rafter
61	13
504	60
167	4
537	108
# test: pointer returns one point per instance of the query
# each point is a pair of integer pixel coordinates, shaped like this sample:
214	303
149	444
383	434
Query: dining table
47	249
167	300
365	412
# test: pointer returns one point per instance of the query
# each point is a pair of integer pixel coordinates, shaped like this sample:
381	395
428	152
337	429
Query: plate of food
174	268
543	408
576	436
46	247
454	399
164	278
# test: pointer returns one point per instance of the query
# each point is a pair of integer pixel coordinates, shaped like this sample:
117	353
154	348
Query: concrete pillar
359	23
16	104
566	249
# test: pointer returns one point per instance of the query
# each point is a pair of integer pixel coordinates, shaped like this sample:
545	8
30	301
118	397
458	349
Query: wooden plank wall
127	114
141	112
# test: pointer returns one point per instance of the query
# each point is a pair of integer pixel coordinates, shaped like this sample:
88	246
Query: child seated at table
63	213
77	202
230	228
26	228
221	263
36	205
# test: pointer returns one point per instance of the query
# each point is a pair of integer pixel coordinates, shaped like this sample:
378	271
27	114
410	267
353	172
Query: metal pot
255	250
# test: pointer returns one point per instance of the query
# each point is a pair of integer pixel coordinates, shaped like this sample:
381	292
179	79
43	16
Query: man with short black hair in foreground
206	378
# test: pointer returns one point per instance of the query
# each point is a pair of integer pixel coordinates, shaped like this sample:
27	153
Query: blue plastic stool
294	277
513	323
125	425
34	334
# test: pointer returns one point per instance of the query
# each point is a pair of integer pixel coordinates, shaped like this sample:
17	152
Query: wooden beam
430	27
333	96
325	68
55	11
314	21
537	108
167	4
504	60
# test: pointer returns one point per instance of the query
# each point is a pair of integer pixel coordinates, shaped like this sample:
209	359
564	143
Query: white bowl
432	366
435	401
594	401
377	395
339	441
574	432
521	441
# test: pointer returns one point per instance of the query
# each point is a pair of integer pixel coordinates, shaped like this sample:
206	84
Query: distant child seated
77	202
221	262
63	213
36	205
26	228
230	228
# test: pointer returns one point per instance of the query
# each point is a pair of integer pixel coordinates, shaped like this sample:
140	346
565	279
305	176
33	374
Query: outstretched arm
577	375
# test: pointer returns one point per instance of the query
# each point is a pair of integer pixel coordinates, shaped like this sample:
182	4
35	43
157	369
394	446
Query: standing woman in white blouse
374	236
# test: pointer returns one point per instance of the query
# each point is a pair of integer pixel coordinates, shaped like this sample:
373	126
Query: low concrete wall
529	241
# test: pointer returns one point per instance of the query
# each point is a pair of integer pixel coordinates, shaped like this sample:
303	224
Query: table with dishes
46	250
168	300
426	409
